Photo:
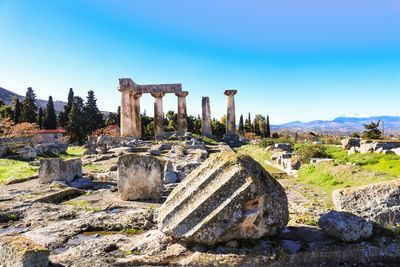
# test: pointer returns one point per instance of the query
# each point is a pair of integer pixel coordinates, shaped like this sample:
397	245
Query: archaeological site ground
179	198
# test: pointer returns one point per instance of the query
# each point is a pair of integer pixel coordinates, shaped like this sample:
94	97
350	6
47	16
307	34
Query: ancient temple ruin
130	107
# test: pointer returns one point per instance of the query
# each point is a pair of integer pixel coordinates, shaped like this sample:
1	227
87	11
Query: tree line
78	118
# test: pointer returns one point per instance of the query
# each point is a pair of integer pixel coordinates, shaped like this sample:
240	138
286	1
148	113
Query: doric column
182	114
126	123
206	129
136	118
158	115
230	113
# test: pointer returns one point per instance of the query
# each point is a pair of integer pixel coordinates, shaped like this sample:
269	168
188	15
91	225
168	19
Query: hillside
341	125
7	96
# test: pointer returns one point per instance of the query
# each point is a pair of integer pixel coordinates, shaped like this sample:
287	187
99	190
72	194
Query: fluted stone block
229	196
139	177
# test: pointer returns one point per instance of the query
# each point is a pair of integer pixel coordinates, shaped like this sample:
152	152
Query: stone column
158	115
126	123
230	114
136	117
206	129
182	114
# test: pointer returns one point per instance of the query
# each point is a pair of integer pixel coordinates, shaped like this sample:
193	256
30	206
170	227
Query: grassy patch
15	168
388	164
12	169
81	205
258	153
329	176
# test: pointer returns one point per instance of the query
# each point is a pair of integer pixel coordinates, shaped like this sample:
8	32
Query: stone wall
24	147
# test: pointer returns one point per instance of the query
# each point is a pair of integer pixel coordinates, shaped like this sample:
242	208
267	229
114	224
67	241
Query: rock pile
367	146
229	196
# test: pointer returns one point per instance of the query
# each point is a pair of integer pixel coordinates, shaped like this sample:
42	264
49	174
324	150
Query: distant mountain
7	97
341	125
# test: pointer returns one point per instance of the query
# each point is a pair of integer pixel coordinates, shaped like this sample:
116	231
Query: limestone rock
139	177
51	170
20	251
345	226
169	175
376	202
350	142
352	150
230	196
396	151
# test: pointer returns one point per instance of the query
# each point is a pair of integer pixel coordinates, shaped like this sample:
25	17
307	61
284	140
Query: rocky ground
87	224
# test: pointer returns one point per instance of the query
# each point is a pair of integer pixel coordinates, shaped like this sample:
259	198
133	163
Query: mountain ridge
7	96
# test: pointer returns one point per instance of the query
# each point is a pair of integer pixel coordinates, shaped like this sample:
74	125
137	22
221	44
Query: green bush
308	151
271	141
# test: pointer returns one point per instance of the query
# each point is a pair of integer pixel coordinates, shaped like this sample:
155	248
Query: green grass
206	140
14	168
81	205
329	176
388	164
258	153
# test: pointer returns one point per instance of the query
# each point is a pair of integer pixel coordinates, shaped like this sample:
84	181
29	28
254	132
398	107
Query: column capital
137	95
158	95
183	93
230	92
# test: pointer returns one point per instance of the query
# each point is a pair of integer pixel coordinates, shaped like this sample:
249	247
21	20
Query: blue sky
290	59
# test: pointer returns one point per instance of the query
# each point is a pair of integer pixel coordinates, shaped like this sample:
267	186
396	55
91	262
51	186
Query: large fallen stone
51	170
350	142
139	177
377	202
229	196
345	226
20	251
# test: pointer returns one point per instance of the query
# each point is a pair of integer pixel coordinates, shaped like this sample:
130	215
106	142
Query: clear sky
290	59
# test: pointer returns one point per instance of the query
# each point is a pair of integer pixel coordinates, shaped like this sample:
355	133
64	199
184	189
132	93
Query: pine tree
92	114
76	122
268	130
29	107
50	118
62	118
17	111
40	118
241	125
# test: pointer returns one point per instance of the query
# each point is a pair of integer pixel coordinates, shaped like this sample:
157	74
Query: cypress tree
241	125
62	119
92	114
76	122
50	118
17	111
29	107
40	118
268	130
119	116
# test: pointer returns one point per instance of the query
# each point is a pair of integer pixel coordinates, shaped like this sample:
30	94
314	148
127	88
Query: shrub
271	141
308	151
107	131
21	129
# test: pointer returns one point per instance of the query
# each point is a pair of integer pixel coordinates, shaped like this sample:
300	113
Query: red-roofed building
51	136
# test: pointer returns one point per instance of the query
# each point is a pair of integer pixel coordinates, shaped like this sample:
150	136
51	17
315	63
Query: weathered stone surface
229	196
283	146
206	129
377	202
139	177
345	226
230	114
20	251
58	196
169	175
51	170
52	148
350	142
352	150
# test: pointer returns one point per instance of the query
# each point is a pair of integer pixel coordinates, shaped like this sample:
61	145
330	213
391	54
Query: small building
51	136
